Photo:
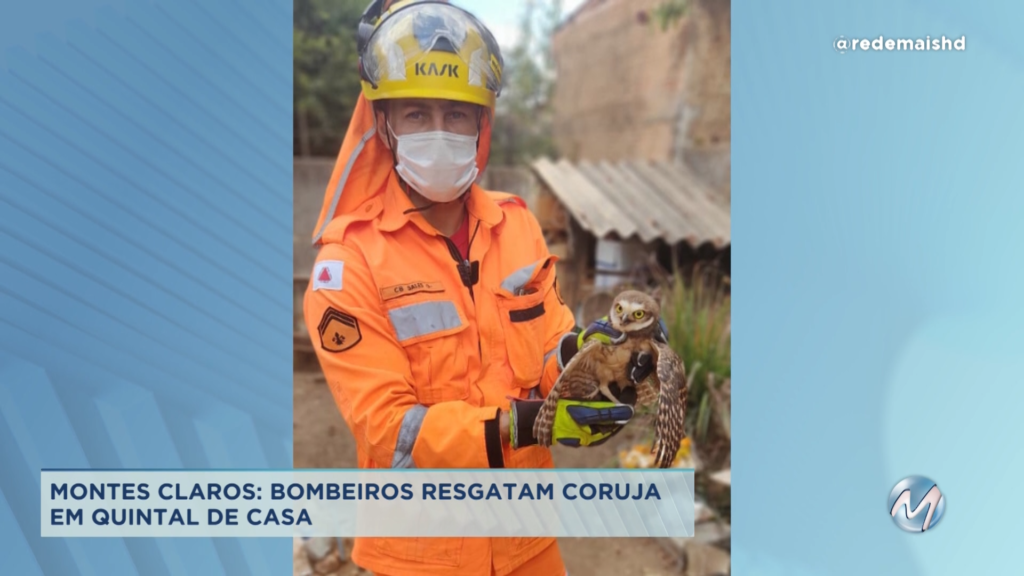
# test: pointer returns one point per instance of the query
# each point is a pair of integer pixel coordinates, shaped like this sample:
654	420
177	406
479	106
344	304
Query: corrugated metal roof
650	200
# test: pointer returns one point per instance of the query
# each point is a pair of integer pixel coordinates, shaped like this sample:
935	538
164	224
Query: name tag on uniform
398	290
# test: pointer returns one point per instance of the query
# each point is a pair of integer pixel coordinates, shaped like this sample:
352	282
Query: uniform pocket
523	320
431	332
432	551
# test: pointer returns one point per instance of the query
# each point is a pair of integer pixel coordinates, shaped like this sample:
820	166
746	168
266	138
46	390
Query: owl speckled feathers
589	373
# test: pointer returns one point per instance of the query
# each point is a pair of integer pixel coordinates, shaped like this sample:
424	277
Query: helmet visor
401	47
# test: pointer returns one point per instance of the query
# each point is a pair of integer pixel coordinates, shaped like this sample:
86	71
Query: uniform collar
396	202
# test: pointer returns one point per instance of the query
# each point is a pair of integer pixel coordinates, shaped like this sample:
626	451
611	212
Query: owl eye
618	308
639	314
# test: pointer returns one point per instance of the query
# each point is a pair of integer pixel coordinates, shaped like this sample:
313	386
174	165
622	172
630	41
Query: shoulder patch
339	331
327	275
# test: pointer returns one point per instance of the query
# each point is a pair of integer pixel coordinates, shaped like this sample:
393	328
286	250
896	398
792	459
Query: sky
502	17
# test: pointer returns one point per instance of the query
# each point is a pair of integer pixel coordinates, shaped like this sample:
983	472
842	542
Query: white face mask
439	165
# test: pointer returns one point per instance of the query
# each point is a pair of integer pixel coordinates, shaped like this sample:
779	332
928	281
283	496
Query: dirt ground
322	440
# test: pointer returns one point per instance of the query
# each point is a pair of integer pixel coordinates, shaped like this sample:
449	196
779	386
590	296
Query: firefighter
433	304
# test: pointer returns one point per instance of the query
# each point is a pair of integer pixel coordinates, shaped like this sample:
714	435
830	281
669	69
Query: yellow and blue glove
577	422
584	422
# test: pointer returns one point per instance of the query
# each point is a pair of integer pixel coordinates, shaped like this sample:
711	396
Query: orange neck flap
364	163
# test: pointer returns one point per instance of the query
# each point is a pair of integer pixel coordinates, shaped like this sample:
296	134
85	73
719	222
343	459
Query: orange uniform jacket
421	350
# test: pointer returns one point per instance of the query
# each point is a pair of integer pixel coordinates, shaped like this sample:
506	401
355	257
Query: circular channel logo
916	504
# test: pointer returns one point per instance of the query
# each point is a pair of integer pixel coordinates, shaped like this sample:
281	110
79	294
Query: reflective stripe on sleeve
407	435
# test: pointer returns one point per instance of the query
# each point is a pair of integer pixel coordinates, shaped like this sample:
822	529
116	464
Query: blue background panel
877	224
145	266
145	281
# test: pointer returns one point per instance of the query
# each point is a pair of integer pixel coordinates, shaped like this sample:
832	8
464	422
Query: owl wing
668	427
577	381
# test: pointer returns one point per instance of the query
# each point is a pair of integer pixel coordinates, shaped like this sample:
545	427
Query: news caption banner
374	503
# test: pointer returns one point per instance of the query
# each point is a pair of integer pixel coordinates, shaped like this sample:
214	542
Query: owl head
633	312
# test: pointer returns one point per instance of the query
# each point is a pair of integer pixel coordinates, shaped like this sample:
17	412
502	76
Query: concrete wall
628	90
704	125
518	180
309	182
618	84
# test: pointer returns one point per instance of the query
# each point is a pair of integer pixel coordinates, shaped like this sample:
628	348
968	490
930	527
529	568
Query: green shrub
698	317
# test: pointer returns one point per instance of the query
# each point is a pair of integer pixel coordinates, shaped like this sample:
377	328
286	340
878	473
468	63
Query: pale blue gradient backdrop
145	261
878	230
145	280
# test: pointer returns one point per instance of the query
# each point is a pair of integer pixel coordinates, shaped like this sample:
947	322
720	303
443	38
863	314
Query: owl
589	373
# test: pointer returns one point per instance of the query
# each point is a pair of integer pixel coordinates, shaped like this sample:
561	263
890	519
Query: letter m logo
929	503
